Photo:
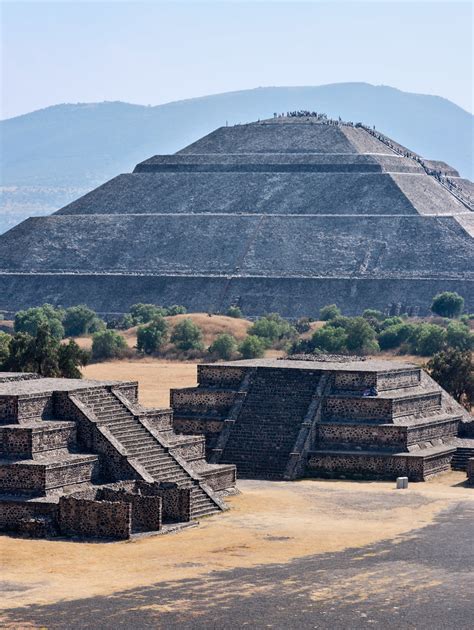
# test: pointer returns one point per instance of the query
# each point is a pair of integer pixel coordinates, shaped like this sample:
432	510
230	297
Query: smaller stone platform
83	458
284	419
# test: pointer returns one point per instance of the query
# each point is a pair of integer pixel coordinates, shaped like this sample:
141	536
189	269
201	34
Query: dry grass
155	377
211	327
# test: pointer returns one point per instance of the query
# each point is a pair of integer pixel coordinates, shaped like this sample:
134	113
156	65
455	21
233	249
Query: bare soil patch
270	522
155	377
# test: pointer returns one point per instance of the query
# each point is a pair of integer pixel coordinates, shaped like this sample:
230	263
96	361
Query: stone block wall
366	466
470	471
12	512
8	409
146	509
225	377
35	406
26	442
24	479
203	401
357	408
91	518
417	406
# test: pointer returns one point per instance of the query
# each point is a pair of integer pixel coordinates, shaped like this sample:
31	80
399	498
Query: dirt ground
155	377
270	522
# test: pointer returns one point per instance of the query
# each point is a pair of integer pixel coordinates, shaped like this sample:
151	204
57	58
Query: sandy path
270	522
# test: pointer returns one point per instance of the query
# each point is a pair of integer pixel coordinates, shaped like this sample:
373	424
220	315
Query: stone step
380	464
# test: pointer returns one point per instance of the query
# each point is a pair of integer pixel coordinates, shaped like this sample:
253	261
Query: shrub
361	336
107	344
144	313
330	339
372	313
303	325
272	328
4	348
453	370
224	346
234	311
459	337
329	312
428	339
391	321
187	336
395	335
252	347
30	320
448	304
81	320
151	337
70	357
176	309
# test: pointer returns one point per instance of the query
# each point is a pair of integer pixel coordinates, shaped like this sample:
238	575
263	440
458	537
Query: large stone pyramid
286	215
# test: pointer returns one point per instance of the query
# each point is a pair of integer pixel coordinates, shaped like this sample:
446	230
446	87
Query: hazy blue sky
155	52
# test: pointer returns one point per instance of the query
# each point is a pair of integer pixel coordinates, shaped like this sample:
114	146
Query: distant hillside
51	156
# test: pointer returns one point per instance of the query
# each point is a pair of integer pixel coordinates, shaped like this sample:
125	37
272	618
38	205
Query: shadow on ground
422	580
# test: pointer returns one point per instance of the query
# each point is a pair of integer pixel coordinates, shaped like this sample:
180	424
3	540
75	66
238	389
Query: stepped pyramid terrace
283	215
287	419
83	458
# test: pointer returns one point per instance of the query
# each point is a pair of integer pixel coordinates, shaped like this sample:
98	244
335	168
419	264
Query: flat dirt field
270	524
155	377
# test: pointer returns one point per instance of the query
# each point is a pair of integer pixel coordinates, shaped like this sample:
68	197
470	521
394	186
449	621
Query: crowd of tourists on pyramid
441	177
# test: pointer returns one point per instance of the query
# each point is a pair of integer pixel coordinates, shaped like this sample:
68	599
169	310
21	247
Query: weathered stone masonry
83	458
286	419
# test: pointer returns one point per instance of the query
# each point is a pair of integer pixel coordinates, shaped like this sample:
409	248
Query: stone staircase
462	455
266	429
144	446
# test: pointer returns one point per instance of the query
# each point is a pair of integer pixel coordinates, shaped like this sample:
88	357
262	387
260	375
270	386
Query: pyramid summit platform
286	215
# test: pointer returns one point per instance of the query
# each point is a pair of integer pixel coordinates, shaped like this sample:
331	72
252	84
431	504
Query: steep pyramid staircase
147	448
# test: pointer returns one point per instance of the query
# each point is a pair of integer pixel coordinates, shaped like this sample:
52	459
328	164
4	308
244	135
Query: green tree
448	304
361	337
330	339
30	320
144	313
70	357
187	335
22	353
107	344
395	335
252	347
224	346
46	350
81	320
391	321
428	339
453	370
329	312
5	340
272	328
459	336
151	337
234	311
372	313
176	309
